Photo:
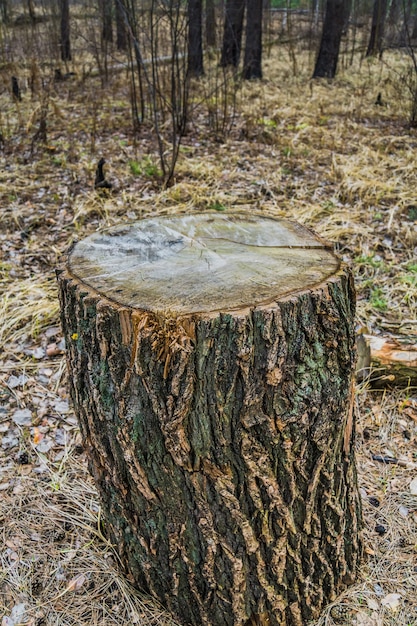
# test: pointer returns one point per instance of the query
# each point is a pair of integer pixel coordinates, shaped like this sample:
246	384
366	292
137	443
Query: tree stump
211	364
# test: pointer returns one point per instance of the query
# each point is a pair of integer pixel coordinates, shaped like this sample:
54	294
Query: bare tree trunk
65	43
121	32
393	22
210	24
335	18
31	10
232	35
252	64
106	20
315	12
414	28
4	11
195	38
394	12
407	7
377	28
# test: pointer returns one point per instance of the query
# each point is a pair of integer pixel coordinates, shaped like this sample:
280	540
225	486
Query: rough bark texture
195	37
222	448
378	28
121	30
337	12
106	20
232	33
65	42
210	14
252	65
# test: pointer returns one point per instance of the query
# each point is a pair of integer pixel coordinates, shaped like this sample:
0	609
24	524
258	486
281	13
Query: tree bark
232	35
31	11
377	28
394	12
5	11
121	31
195	38
65	42
407	7
106	20
252	65
337	12
210	11
219	426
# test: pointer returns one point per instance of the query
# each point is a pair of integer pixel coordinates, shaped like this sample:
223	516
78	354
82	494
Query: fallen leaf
76	583
45	445
17	381
38	353
22	417
363	619
378	590
61	437
61	345
61	406
403	511
17	613
391	601
52	331
9	441
413	487
53	350
19	489
37	437
25	470
36	537
372	604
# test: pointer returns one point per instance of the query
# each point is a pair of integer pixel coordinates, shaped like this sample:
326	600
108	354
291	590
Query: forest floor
323	153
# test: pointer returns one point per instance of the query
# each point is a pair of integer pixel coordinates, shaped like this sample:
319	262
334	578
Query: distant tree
65	43
392	22
406	30
31	10
252	65
195	38
394	12
4	11
376	38
337	13
121	32
232	34
210	23
315	12
106	20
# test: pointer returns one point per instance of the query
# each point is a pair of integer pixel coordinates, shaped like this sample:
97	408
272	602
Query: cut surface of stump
202	263
211	362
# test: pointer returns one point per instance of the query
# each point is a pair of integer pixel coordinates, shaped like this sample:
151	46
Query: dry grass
28	304
318	152
55	559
